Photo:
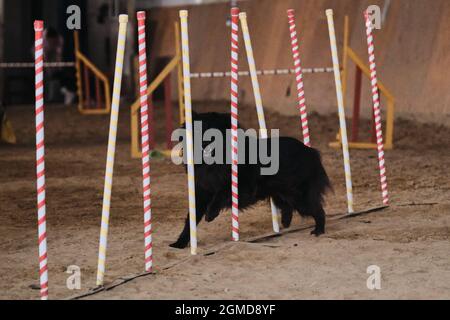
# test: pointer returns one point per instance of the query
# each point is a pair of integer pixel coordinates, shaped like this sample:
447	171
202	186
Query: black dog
299	184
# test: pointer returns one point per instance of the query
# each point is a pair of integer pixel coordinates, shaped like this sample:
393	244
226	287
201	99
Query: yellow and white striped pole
123	19
189	136
258	100
340	100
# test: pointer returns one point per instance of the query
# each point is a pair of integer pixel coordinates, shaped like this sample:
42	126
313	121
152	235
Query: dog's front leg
185	236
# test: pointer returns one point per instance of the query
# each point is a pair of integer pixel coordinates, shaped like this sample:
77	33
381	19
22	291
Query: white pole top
140	15
183	13
38	25
242	15
123	18
329	12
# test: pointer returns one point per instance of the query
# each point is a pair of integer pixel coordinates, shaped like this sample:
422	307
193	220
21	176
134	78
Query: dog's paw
286	224
178	245
317	232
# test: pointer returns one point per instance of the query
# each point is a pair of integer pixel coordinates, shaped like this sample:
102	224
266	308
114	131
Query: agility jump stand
84	70
375	87
123	19
363	69
40	155
164	77
167	86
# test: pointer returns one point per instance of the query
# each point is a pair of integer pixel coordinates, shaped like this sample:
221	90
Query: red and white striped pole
376	109
145	142
234	124
40	163
298	77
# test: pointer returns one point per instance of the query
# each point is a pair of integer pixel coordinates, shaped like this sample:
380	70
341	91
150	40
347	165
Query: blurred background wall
413	47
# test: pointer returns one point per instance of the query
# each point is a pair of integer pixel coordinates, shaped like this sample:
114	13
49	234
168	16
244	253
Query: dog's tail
320	183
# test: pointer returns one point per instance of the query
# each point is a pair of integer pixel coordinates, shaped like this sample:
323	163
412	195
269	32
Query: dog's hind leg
286	211
286	216
319	218
316	211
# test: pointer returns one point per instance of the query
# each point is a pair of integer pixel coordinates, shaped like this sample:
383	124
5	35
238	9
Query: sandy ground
409	241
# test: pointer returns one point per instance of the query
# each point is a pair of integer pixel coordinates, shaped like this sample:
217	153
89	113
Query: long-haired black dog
299	185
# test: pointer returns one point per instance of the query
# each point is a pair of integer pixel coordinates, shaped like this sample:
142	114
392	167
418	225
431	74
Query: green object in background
6	131
155	154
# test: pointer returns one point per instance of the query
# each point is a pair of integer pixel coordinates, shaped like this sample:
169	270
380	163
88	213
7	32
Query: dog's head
202	122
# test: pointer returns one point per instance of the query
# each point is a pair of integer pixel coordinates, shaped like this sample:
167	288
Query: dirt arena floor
409	241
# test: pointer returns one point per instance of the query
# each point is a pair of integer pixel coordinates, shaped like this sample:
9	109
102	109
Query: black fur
299	184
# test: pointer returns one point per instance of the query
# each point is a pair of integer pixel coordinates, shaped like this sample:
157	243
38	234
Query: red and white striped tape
234	124
40	152
298	77
145	142
7	65
266	72
376	109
